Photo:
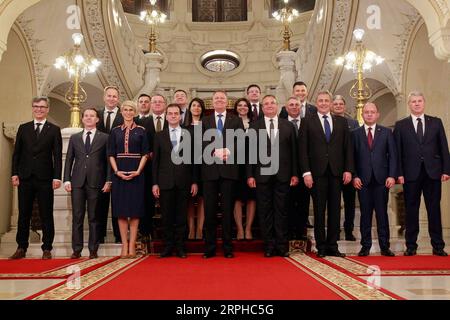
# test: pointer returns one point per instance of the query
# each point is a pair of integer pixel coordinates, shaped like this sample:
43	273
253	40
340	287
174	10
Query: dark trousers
81	197
211	190
349	194
173	204
29	189
431	190
372	197
146	222
272	203
298	209
326	193
102	213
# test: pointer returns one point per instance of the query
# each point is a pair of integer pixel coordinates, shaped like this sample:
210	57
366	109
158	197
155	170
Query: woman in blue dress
128	151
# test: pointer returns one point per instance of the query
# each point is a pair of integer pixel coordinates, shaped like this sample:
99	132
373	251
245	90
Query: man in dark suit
424	163
174	183
180	98
375	173
221	174
36	170
110	117
86	176
253	95
144	119
348	191
326	160
299	195
272	186
300	90
143	109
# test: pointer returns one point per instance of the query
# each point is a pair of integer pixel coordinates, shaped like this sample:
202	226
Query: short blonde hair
129	103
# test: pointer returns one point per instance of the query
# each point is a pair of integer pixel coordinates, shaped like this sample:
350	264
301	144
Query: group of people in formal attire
129	156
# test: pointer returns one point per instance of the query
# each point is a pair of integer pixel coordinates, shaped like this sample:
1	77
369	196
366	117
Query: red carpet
33	265
249	276
406	263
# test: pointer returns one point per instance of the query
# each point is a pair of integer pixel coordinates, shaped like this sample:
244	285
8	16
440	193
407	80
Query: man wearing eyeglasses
36	171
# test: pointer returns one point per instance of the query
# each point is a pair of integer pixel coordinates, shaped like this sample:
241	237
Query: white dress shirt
275	125
366	128
224	115
113	115
322	120
414	121
155	120
298	122
93	131
42	122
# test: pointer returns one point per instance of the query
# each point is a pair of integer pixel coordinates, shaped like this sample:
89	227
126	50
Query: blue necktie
326	124
173	139
220	123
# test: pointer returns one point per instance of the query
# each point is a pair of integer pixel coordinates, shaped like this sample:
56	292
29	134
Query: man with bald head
375	173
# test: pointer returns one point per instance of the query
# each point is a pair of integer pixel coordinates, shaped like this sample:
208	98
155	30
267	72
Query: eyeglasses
40	107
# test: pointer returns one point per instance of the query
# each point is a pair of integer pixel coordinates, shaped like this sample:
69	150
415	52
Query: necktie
255	111
271	129
295	123
108	122
420	130
303	110
87	143
173	138
326	124
38	129
158	124
182	117
370	138
220	123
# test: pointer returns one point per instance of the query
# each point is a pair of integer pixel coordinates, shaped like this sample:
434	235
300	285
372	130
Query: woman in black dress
128	152
197	110
245	195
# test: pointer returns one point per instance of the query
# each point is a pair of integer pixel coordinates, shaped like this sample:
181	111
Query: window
219	10
300	5
136	6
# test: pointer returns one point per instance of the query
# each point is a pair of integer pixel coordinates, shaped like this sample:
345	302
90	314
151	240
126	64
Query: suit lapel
428	125
377	136
44	130
319	126
410	126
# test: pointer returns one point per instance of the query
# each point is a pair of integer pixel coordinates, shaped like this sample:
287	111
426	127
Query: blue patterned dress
128	145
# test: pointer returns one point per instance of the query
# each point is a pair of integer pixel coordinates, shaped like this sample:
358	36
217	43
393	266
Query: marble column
286	64
152	70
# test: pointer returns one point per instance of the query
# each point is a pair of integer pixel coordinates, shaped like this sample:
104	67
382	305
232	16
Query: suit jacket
352	124
381	160
287	144
433	152
92	168
118	120
39	157
226	170
150	128
165	173
260	112
310	110
316	154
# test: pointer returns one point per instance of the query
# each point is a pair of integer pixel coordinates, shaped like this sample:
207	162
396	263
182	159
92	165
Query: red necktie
370	138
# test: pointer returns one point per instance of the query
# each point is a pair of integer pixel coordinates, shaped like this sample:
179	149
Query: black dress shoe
268	254
76	255
19	254
350	237
228	255
93	255
336	253
440	252
166	253
181	254
118	240
208	255
46	255
410	252
364	252
284	254
387	253
320	254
